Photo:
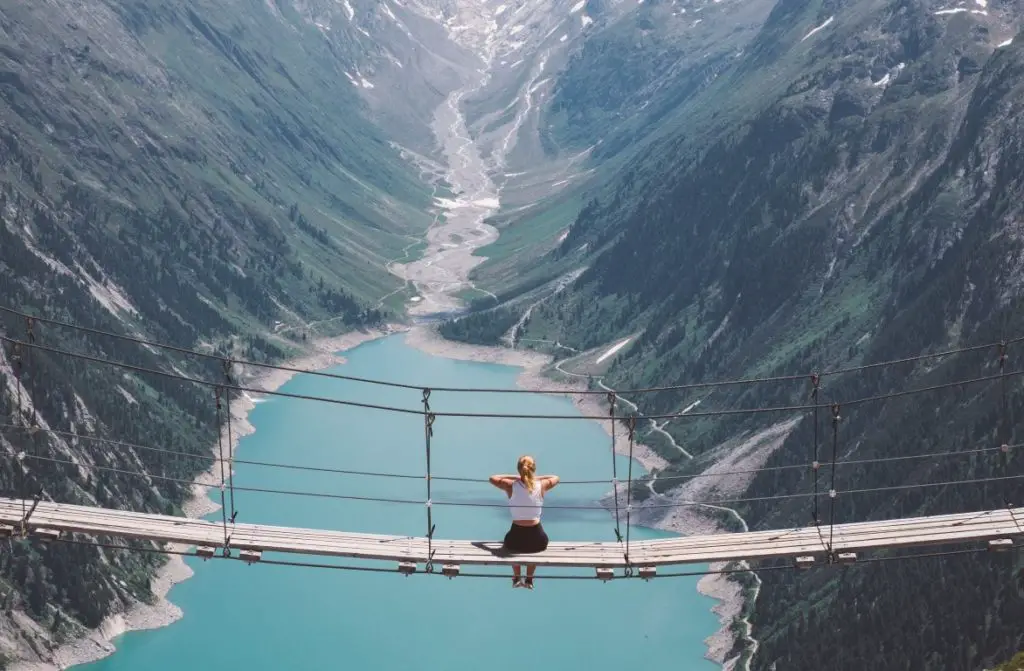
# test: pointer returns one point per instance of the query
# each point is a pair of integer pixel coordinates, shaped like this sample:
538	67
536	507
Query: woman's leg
540	543
509	546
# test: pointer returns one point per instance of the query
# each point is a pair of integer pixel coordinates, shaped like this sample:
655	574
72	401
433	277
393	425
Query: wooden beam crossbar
995	529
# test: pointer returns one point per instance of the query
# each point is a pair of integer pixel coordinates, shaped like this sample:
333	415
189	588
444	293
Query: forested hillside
859	204
178	171
743	188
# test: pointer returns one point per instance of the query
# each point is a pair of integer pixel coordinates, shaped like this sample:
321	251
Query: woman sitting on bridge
525	500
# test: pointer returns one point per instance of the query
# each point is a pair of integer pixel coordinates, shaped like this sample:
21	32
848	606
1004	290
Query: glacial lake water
275	618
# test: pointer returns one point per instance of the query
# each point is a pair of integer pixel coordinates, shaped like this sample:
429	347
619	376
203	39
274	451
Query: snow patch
612	350
1005	44
83	416
960	10
449	204
348	10
827	23
586	20
884	81
578	6
128	397
359	80
107	293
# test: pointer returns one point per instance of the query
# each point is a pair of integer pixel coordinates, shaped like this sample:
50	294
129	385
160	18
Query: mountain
217	175
838	191
728	189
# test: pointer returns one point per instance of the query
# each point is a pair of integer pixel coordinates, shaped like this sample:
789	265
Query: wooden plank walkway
956	529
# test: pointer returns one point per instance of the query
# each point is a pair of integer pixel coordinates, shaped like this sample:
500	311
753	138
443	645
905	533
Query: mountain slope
842	193
210	174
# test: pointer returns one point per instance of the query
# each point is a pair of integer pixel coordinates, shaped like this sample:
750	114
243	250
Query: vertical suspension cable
832	489
1003	437
220	445
815	466
33	428
428	433
1005	427
615	474
31	338
20	413
631	425
231	439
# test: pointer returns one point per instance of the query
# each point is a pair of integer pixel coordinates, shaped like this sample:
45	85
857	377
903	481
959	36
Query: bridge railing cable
479	390
70	435
228	384
222	461
167	551
495	415
681	503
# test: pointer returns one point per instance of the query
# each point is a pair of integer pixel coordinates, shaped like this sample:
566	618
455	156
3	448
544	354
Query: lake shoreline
325	353
686	521
98	643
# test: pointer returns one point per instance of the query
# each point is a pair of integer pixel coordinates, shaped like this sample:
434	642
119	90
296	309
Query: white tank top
525	505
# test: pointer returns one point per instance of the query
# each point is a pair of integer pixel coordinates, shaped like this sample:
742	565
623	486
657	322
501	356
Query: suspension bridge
823	541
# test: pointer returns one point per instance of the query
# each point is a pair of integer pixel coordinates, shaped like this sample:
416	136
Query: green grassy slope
201	173
855	199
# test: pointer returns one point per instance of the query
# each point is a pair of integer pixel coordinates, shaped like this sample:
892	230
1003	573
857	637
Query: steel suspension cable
378	569
643	390
30	337
19	454
816	381
468	504
409	476
615	474
832	494
231	439
688	415
631	426
220	445
428	432
1005	429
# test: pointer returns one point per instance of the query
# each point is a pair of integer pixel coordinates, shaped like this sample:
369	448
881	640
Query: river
263	617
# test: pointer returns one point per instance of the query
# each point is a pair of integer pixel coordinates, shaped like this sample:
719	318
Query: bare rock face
737	186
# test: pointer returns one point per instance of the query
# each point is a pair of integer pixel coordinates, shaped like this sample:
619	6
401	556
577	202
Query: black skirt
526	540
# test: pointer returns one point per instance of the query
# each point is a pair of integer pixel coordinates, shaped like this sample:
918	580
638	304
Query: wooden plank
957	528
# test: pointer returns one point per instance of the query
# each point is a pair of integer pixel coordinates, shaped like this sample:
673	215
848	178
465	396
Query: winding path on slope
460	229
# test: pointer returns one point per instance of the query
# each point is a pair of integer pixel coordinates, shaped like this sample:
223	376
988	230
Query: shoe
517	582
528	584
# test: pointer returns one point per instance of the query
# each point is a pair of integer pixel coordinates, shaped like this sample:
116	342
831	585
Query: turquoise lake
271	618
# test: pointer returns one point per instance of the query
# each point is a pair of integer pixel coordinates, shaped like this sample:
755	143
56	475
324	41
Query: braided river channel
263	617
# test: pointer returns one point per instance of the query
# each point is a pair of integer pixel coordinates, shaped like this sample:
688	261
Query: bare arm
503	482
548	482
